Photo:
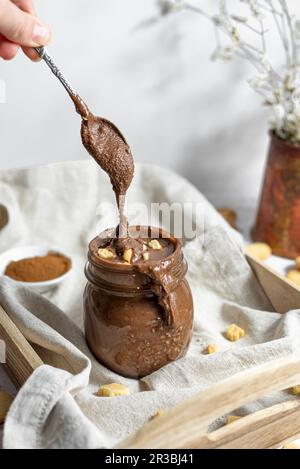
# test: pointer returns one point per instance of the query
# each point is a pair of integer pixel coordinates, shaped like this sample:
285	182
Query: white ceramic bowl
19	253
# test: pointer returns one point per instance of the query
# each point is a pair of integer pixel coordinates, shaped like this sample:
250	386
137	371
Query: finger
25	5
8	50
22	28
32	54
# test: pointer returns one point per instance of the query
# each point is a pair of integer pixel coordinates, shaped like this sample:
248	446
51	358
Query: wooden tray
185	425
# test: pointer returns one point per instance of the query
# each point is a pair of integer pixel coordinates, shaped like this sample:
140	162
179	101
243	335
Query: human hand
19	27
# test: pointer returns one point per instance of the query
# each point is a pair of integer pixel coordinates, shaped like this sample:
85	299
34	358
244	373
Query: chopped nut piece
158	413
211	349
294	276
229	215
146	256
232	418
5	403
260	251
113	390
298	263
105	253
144	248
234	333
127	255
154	244
295	390
290	446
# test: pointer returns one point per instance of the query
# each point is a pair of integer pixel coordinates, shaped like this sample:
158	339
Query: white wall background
158	85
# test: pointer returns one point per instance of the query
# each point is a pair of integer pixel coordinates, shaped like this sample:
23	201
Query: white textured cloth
57	407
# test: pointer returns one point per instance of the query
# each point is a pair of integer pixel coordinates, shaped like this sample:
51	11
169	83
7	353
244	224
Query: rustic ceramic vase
278	218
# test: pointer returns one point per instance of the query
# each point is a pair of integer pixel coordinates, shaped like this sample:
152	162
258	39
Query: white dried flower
289	82
297	111
258	81
223	53
170	6
220	21
255	8
280	87
265	62
297	29
239	19
296	96
278	111
235	36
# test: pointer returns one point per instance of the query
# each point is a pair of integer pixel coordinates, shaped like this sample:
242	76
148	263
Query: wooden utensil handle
185	426
21	359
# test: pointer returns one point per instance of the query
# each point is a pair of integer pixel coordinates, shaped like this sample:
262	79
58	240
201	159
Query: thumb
22	28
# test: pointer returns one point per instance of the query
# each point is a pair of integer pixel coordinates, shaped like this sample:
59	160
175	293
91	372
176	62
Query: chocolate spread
108	147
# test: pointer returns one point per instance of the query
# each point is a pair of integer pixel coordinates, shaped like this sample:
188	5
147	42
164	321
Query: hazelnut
260	251
211	348
234	333
127	255
154	244
295	390
113	390
146	256
158	413
105	253
294	276
229	215
232	418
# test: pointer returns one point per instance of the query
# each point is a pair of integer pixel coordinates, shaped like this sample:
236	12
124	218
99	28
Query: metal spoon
80	105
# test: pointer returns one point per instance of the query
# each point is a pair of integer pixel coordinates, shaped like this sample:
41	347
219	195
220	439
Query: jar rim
118	267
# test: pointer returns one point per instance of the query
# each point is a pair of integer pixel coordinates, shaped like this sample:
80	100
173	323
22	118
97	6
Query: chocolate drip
162	283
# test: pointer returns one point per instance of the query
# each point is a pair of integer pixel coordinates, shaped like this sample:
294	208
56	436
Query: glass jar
126	327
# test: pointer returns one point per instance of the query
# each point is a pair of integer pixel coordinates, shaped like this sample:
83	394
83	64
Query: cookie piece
260	251
234	333
113	390
229	215
232	418
294	276
211	348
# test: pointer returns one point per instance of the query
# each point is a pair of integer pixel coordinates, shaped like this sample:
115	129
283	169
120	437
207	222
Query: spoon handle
43	53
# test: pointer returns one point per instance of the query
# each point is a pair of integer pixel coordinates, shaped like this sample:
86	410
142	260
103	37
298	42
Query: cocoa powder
38	269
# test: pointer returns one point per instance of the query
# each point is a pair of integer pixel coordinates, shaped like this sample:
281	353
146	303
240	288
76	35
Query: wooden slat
264	429
283	294
192	417
21	359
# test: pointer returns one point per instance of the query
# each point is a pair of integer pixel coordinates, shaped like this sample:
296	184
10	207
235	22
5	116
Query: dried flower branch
279	87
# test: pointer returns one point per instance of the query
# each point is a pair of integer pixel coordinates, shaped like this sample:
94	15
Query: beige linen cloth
58	205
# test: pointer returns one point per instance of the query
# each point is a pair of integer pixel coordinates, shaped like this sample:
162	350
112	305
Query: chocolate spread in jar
108	147
138	316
